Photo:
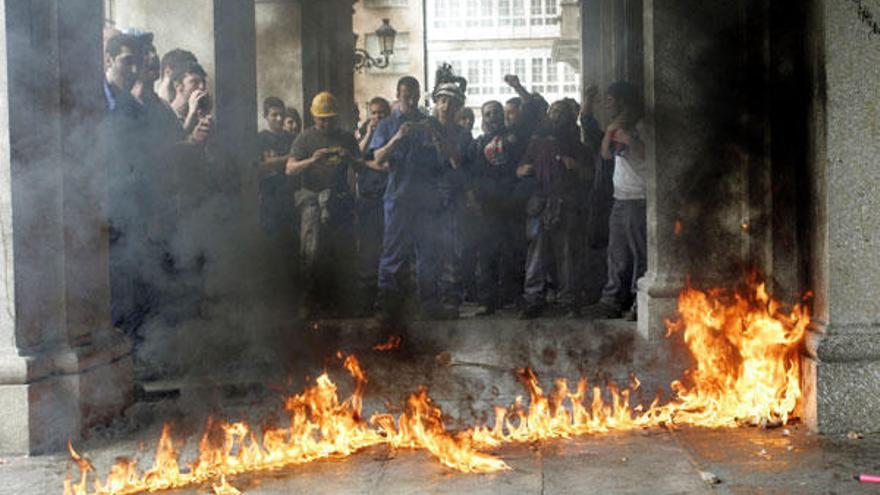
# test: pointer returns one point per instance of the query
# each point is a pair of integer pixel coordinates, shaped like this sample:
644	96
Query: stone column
235	56
62	367
279	49
328	54
697	152
611	43
843	377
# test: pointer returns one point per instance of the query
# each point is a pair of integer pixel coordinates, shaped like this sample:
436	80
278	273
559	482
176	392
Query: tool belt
549	209
336	207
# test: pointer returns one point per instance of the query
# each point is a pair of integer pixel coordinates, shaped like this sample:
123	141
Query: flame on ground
392	343
746	371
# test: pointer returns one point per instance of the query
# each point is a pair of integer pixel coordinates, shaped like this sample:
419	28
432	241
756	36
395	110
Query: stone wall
844	363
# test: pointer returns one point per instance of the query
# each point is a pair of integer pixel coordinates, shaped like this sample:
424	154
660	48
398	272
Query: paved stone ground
468	365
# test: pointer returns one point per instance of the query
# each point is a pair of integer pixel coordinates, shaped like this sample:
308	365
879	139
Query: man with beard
561	166
407	144
493	158
321	159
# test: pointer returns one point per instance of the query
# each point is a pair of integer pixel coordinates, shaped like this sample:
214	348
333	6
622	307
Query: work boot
572	313
601	311
530	313
389	306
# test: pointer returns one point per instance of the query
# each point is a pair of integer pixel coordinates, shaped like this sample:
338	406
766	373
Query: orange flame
224	488
746	371
392	343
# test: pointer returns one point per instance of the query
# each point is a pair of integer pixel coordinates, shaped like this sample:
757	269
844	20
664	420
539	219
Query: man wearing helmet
321	160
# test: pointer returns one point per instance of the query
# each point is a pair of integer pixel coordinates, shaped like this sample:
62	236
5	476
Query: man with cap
321	159
452	141
417	155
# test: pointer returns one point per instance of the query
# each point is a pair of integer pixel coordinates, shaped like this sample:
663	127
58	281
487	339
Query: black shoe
572	314
601	311
485	310
530	313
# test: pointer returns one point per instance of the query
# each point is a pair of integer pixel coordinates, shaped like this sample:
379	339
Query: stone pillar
843	377
62	367
697	151
327	55
235	56
611	44
279	52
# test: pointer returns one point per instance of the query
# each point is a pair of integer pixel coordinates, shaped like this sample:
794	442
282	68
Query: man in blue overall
406	144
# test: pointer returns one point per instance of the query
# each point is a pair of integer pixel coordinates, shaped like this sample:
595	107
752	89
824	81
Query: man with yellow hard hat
321	158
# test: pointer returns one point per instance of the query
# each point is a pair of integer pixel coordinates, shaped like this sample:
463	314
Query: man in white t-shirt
627	242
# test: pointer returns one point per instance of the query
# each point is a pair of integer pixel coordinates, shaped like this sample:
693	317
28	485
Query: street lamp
385	34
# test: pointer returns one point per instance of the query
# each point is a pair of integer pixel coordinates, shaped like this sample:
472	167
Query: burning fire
392	343
747	371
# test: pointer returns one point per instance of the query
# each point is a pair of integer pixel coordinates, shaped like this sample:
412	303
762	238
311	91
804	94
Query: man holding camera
321	159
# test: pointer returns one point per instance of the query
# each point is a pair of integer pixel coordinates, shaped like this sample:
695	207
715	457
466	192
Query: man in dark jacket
562	168
493	158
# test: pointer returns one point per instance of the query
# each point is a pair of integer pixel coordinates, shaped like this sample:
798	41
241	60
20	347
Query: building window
519	12
552	76
538	74
504	67
473	77
400	60
448	14
544	12
377	4
570	78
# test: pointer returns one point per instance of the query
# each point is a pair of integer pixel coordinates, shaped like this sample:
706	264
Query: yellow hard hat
323	105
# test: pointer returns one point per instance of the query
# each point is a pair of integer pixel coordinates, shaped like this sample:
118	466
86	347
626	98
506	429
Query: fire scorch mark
745	346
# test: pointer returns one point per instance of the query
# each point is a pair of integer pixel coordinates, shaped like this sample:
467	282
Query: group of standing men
153	142
415	202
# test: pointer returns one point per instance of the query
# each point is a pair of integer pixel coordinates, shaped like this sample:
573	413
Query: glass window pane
552	71
519	68
537	70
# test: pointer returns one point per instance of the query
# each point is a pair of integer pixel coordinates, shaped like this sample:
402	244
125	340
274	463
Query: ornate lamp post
386	35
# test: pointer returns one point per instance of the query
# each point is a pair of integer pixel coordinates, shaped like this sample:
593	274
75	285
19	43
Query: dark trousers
627	252
501	257
412	231
456	244
327	253
369	229
553	254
